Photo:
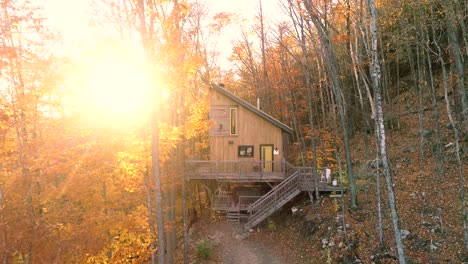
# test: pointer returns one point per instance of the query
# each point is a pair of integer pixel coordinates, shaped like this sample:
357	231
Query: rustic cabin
247	172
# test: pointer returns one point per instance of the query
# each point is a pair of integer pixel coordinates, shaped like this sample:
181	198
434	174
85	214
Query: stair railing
275	194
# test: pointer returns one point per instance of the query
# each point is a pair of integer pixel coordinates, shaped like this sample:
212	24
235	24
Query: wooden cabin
247	161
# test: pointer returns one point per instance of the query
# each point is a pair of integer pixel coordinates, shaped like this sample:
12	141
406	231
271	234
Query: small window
233	118
246	151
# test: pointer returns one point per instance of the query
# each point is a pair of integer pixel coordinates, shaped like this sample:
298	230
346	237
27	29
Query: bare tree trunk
154	142
343	205
266	94
157	185
458	62
355	63
185	218
288	85
250	64
149	205
18	103
416	80
380	130
438	145
308	79
378	192
461	178
333	70
4	244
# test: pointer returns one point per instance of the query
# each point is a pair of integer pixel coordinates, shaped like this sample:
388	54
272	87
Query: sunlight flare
117	88
116	91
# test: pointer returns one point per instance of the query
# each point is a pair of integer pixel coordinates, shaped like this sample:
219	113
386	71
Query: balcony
238	170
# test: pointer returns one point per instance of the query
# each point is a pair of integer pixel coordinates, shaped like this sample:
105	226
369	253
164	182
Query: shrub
271	225
204	249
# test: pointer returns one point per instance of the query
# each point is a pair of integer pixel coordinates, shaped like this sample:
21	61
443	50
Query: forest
94	141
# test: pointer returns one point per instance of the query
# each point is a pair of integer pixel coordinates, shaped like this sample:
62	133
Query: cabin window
246	151
233	118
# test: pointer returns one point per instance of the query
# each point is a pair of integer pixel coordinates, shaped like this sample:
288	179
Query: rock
347	226
427	132
374	163
464	149
410	149
240	236
404	233
434	245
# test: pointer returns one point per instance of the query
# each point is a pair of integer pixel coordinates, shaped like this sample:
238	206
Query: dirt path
235	248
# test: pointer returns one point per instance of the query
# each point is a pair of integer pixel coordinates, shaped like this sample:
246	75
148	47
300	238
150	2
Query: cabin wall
251	130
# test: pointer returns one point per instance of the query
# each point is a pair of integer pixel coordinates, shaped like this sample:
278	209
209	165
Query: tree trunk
333	70
4	244
185	218
438	151
378	192
150	214
308	72
154	141
457	61
380	130
157	185
461	178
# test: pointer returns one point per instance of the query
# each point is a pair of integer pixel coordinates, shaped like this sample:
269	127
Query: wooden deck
238	171
291	182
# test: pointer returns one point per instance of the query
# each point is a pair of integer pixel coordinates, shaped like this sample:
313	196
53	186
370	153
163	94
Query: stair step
233	217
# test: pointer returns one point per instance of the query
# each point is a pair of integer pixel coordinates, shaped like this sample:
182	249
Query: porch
239	171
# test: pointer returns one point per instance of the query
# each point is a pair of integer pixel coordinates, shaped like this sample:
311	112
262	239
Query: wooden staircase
274	199
233	215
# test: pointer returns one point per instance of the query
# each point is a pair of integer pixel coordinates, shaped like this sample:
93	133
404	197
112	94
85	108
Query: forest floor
231	246
285	238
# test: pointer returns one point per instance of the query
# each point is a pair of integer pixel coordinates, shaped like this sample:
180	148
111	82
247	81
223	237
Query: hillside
313	234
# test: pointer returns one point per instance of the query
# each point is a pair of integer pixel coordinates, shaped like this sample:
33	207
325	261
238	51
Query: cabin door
266	157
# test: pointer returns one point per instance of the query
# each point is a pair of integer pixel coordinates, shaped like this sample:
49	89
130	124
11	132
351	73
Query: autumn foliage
77	186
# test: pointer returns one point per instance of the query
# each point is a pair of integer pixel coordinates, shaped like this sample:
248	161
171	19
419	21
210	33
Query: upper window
233	121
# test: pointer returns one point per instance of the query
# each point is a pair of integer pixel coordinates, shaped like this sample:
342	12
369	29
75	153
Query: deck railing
221	202
308	175
235	168
226	202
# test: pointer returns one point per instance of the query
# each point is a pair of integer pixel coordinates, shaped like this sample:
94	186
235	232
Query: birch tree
380	130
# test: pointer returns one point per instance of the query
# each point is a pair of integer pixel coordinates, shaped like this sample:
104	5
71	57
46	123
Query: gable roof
252	108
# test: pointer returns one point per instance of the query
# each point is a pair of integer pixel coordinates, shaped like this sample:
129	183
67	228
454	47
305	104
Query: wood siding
252	129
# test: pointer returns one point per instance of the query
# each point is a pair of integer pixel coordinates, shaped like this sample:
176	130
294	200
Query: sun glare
116	90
